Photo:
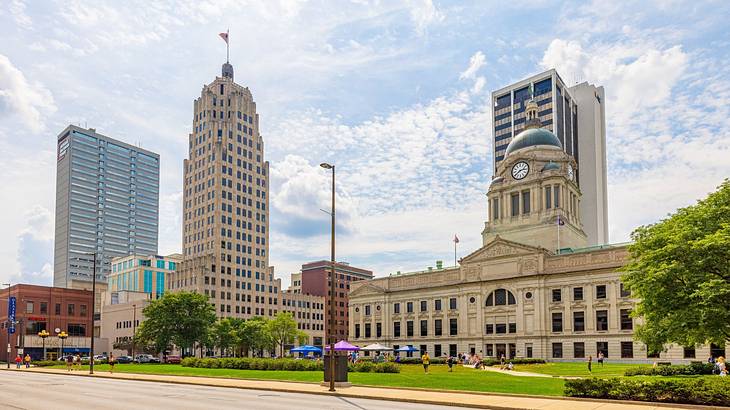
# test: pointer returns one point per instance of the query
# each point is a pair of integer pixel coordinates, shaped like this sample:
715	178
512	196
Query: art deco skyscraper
226	204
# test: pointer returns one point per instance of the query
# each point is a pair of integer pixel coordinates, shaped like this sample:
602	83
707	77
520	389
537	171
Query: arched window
500	297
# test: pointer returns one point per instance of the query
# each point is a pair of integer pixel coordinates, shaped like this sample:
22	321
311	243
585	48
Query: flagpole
558	234
228	46
455	252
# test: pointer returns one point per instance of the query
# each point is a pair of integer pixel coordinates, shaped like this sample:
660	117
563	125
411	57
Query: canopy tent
407	349
343	346
376	347
306	349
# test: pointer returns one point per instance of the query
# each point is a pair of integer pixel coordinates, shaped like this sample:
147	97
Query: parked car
154	359
173	359
125	359
142	358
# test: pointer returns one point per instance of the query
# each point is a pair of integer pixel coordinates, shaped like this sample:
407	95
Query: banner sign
11	314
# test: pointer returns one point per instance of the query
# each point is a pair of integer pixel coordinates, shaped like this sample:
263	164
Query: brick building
46	308
314	280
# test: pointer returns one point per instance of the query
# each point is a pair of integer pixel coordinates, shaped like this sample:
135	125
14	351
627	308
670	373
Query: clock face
571	174
520	170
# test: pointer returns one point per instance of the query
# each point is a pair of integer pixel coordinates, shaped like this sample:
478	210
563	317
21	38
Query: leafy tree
283	330
182	319
680	271
253	335
223	334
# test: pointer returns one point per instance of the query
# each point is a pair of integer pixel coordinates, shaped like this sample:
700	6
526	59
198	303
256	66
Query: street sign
20	351
8	347
11	314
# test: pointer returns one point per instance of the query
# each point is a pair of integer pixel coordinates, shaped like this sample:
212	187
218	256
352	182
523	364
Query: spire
531	118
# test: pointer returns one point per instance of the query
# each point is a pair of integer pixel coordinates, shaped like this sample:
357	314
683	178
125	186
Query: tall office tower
226	206
576	115
107	203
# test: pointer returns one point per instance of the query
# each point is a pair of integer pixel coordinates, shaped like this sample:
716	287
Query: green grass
410	376
579	369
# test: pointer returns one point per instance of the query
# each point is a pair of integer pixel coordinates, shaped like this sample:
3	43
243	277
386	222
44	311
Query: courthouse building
534	289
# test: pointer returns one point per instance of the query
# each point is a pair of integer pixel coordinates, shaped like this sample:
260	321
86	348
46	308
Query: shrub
417	360
369	367
705	391
45	363
246	363
694	368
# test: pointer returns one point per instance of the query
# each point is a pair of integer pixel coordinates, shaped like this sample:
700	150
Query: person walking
18	361
77	362
112	362
590	364
69	362
501	362
26	359
600	358
426	361
450	362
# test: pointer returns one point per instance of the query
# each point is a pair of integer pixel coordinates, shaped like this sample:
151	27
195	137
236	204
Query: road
30	391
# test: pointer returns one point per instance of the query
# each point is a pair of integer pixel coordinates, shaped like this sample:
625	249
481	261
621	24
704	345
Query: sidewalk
463	399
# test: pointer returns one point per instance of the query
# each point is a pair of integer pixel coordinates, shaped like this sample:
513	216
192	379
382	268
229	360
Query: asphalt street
25	390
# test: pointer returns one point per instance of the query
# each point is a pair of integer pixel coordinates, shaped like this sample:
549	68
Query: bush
417	360
250	363
694	368
705	391
369	367
45	363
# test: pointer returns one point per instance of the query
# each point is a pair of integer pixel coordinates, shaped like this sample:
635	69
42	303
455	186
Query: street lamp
62	335
43	334
332	281
93	311
134	327
7	328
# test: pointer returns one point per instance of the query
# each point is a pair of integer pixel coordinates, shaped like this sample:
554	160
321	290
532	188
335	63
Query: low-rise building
309	313
121	314
137	273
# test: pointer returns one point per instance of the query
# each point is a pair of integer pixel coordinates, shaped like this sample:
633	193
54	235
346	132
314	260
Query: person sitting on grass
510	366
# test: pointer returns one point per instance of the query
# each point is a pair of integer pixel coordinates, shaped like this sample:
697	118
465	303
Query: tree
283	330
253	335
182	319
223	334
680	271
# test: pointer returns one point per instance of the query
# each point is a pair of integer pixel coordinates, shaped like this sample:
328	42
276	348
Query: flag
456	239
224	36
560	221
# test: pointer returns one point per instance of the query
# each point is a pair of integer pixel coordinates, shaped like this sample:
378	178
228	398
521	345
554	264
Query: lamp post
62	335
333	275
134	326
93	311
43	334
7	330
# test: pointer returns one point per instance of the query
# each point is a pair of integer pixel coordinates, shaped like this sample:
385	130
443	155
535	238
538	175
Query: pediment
500	248
367	289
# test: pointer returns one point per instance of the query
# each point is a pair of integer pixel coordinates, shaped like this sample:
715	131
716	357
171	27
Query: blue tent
407	349
306	349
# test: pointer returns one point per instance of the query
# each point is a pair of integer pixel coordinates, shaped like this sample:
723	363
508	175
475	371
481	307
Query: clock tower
533	198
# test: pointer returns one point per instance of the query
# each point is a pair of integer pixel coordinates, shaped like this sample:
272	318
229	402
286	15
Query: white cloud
476	62
18	97
17	10
425	13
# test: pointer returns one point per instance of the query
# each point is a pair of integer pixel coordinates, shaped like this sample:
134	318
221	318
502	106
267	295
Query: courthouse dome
533	137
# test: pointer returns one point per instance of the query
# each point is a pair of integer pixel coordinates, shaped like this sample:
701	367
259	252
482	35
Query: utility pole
93	313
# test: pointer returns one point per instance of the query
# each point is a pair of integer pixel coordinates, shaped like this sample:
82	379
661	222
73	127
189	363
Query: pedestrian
590	364
450	362
26	359
18	361
77	362
600	358
426	361
69	362
112	362
501	362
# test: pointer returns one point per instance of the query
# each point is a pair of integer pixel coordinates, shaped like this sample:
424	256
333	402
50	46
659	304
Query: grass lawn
579	369
410	376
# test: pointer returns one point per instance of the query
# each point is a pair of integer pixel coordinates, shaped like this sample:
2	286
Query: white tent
376	347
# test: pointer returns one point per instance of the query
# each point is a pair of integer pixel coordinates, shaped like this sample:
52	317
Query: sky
396	94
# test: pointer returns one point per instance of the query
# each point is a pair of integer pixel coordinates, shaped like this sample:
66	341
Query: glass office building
107	203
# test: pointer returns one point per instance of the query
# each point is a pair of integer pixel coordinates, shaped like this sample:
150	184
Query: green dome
533	137
550	166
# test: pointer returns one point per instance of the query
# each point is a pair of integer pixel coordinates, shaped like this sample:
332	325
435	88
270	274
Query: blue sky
395	93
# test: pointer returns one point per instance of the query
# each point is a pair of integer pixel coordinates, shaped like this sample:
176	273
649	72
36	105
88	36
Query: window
601	319
689	352
602	347
579	350
437	330
437	305
515	198
82	310
652	354
409	307
557	295
528	350
396	308
378	329
557	350
76	329
578	293
601	292
526	202
44	308
71	309
453	327
436	350
556	191
557	322
500	297
627	350
548	197
579	322
452	350
495	208
409	328
424	306
357	330
626	322
29	307
367	330
489	329
367	310
57	310
396	329
513	327
452	303
625	293
424	328
500	328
